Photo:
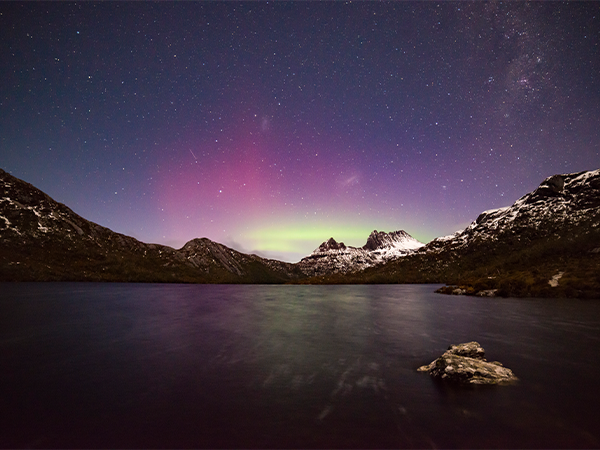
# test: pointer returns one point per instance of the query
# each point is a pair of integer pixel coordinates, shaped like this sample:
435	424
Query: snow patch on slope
561	199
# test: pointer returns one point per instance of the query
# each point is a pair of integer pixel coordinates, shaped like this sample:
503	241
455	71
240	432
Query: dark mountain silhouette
546	244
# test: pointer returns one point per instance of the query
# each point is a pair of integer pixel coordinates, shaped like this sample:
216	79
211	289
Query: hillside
43	240
546	244
551	234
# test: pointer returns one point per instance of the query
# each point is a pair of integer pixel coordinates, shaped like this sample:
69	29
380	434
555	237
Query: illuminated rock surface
466	364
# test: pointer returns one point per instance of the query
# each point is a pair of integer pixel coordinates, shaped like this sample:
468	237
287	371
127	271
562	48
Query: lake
257	366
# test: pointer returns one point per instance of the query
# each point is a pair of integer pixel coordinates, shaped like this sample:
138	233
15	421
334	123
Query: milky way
272	127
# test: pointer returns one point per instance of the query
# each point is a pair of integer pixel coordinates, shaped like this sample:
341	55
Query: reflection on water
126	365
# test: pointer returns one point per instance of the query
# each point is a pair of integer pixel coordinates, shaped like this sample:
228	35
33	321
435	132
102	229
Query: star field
272	127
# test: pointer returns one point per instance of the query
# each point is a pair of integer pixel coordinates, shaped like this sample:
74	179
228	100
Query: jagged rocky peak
553	186
555	183
569	184
335	257
331	244
581	189
400	240
377	241
381	239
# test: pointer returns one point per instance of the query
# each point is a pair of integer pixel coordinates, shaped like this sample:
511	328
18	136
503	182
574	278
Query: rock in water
466	364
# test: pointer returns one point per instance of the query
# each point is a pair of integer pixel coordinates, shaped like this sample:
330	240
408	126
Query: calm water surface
138	365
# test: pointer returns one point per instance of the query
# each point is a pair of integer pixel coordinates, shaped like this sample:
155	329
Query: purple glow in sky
272	127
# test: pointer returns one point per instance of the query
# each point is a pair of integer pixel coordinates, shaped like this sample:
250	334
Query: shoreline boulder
466	364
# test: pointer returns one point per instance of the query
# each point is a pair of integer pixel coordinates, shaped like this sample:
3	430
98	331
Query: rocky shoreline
466	290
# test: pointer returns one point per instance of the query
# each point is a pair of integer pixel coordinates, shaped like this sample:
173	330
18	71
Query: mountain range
333	257
546	244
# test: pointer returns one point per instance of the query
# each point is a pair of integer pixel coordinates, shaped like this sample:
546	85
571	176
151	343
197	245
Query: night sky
270	127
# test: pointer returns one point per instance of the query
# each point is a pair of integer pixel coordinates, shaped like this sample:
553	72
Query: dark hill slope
43	240
551	234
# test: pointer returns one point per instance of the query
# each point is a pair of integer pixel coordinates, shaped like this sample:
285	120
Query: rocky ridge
518	250
560	201
45	240
546	244
42	239
332	257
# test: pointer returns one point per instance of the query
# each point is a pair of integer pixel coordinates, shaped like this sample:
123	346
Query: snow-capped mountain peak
331	244
560	200
399	241
335	257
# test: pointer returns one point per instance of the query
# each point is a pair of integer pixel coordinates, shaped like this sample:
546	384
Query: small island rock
466	364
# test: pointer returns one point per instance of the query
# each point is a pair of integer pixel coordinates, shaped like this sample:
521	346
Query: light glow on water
288	366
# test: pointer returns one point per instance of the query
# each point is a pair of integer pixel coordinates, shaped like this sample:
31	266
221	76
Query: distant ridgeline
546	244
